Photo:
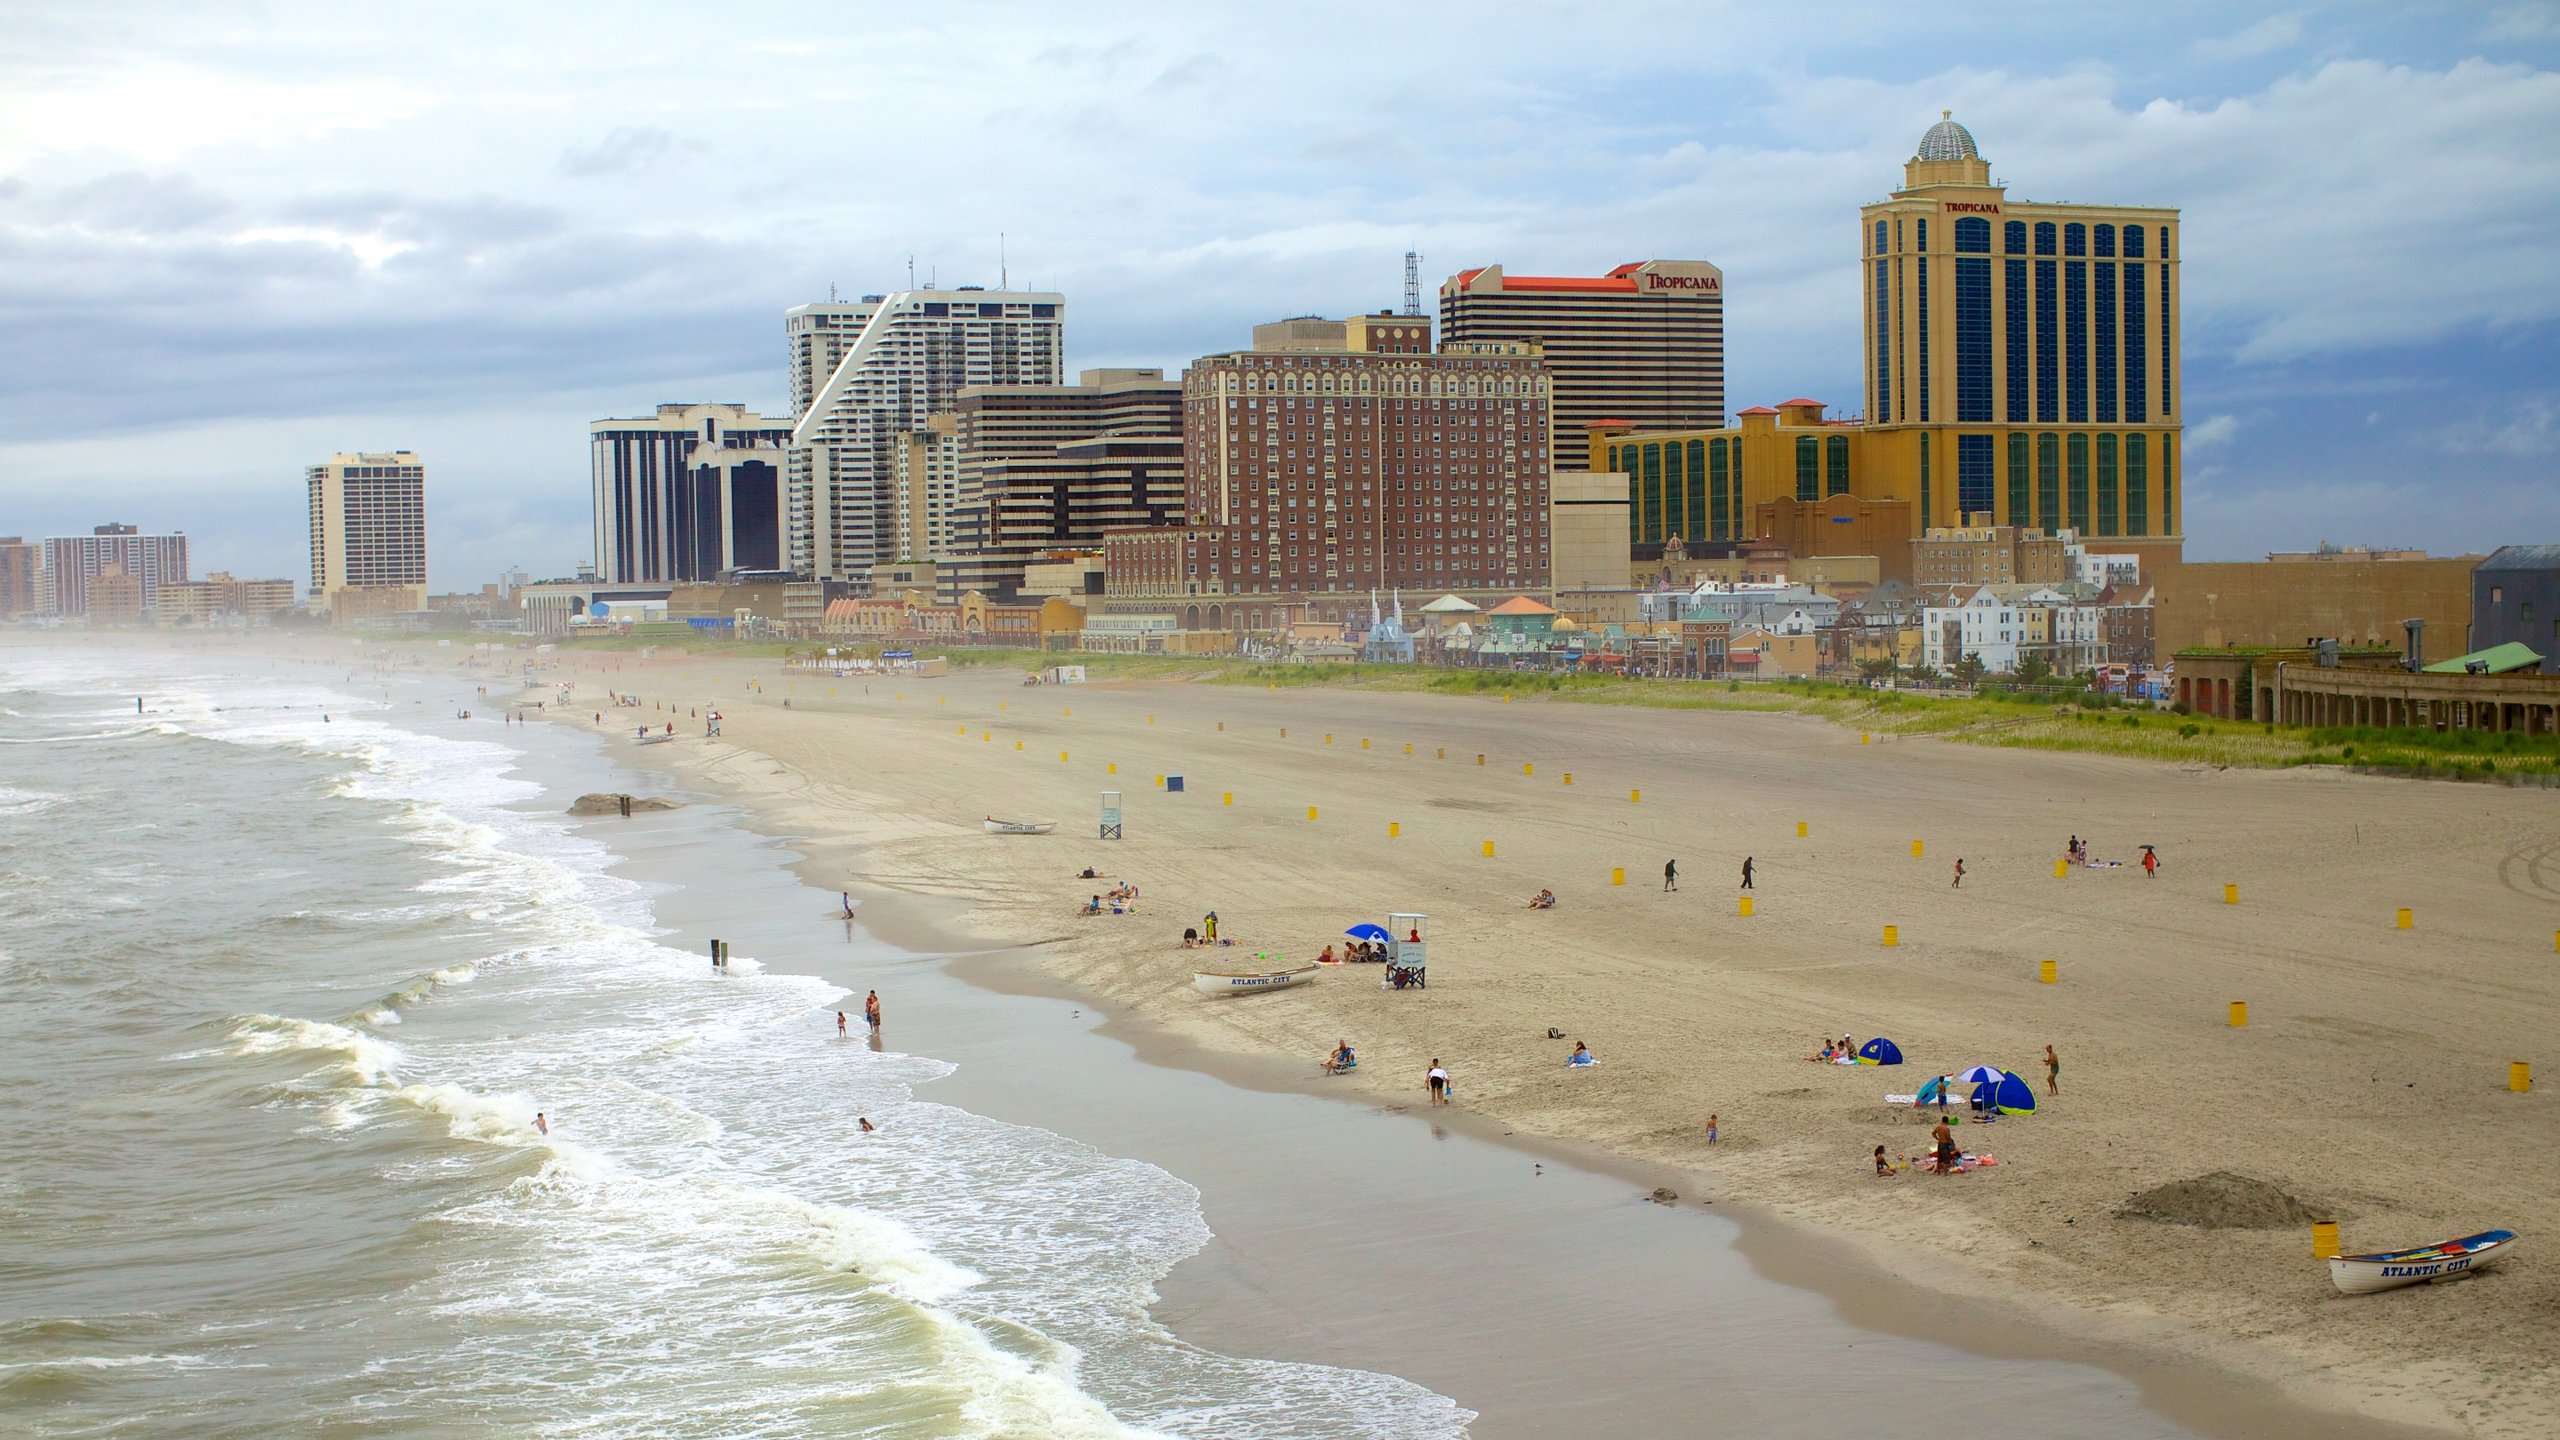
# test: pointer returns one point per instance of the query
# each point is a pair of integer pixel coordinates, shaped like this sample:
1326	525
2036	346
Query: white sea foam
361	1058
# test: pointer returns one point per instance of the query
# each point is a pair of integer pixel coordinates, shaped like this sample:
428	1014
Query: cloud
2523	22
2213	432
2276	32
2529	430
625	150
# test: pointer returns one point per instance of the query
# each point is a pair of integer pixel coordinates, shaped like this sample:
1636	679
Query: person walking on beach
2150	863
1746	872
871	1009
1670	876
1209	926
2052	1072
1711	1127
1958	882
840	1022
1438	1082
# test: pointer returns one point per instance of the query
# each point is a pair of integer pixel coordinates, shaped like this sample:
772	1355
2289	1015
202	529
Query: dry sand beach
2370	1084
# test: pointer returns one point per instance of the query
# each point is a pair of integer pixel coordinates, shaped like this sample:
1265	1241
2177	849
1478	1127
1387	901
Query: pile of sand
603	804
2223	1201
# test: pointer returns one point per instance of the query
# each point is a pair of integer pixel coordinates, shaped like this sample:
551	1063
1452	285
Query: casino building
2021	368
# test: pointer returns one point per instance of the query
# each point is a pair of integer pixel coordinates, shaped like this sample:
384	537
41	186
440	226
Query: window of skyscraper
2021	481
1808	469
1976	485
2076	452
2075	239
2049	482
2014	237
2106	238
2137	405
1973	235
1973	329
1835	464
2017	359
2137	486
2107	481
2048	346
2106	340
2075	341
2044	237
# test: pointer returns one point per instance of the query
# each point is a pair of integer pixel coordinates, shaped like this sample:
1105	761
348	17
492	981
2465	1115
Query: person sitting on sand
1327	957
1093	906
1543	900
1883	1166
1190	937
1341	1060
1581	1056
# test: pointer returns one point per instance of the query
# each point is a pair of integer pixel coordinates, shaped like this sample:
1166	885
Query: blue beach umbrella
1367	932
1982	1075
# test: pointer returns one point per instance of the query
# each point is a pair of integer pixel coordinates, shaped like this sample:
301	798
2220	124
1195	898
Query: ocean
290	962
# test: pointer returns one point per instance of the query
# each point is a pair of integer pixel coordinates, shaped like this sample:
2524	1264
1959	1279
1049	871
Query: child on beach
1883	1166
1959	880
1711	1127
1438	1082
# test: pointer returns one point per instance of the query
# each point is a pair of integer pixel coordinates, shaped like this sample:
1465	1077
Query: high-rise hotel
882	369
2021	357
687	493
1338	458
1643	344
368	534
2021	368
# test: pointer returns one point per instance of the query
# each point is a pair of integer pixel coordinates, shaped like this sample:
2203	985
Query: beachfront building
73	563
21	571
219	596
368	514
913	353
2344	593
687	493
1314	475
2021	368
1643	344
2001	625
2022	358
2515	599
1042	468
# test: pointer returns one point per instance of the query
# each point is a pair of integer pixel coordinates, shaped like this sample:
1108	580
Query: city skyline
217	255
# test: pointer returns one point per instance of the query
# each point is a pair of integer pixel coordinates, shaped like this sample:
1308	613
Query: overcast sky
234	238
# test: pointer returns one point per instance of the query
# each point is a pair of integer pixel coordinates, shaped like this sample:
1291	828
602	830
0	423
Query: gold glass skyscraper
2022	359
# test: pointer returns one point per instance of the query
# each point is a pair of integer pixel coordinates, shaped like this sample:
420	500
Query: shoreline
880	798
1883	1286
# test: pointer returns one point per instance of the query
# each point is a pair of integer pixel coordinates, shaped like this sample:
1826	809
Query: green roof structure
2496	660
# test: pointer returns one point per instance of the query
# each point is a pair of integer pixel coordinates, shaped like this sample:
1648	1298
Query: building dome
1948	140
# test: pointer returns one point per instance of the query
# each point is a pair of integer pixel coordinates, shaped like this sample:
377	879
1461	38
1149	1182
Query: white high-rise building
907	363
368	534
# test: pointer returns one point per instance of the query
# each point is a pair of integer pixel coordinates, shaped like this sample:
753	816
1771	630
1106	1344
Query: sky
237	238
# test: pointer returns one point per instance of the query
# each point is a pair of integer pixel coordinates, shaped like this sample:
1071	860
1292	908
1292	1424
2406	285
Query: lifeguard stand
1111	815
1412	952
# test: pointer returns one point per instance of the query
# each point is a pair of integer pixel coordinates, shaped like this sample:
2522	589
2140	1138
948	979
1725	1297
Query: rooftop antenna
911	271
831	292
1413	282
1003	276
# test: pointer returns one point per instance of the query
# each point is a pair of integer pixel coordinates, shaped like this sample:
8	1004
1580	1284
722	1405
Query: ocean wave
386	1011
364	1059
14	801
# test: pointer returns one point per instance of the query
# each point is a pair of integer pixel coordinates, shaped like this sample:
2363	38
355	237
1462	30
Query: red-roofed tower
1643	343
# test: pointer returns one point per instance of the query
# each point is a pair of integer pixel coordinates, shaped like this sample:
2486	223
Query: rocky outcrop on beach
600	803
